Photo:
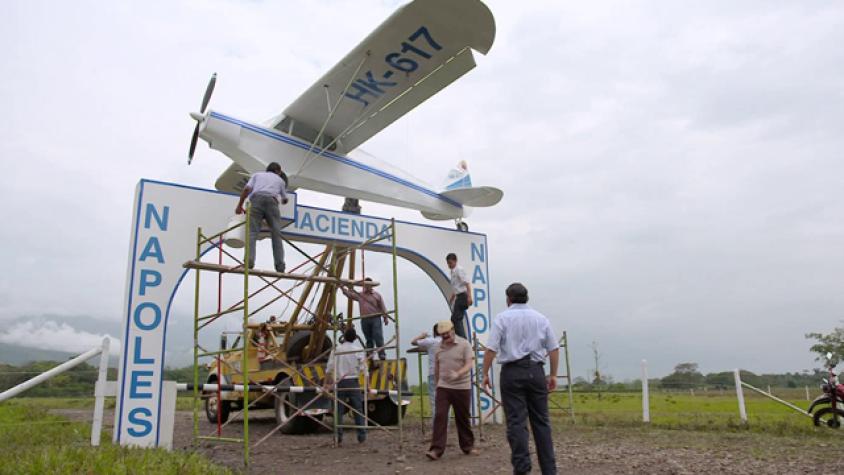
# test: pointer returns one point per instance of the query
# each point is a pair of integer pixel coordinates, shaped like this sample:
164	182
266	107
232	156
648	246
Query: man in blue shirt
521	337
266	190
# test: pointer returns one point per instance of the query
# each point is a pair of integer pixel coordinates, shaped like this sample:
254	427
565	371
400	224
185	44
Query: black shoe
280	270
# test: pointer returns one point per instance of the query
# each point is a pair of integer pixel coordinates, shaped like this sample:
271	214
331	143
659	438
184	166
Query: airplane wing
419	50
233	179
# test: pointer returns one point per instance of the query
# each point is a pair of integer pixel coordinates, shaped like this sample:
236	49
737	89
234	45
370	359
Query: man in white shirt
522	338
266	190
461	297
345	365
430	344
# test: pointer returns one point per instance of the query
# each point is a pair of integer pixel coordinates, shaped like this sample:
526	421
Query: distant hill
17	355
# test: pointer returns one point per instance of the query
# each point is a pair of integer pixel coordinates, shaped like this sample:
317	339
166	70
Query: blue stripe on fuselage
345	160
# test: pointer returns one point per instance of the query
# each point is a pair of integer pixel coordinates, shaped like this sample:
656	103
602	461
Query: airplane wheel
462	226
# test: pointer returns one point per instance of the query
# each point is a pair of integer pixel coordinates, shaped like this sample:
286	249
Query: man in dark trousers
521	337
454	361
372	310
266	190
461	296
345	365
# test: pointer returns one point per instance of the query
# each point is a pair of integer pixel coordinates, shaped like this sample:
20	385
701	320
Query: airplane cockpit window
284	125
304	132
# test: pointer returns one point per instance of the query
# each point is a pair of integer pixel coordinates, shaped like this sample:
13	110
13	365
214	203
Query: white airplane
420	49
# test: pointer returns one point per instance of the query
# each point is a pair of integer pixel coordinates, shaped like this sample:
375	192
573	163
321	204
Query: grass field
36	442
712	410
702	411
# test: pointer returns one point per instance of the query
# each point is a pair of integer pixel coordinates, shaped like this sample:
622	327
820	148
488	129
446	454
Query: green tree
828	343
685	376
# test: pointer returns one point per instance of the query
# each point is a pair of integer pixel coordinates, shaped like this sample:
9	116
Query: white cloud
49	335
671	171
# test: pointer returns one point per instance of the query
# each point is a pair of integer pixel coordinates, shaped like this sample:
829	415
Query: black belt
523	361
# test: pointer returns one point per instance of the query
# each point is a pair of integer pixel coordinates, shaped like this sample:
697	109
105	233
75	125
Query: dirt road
580	450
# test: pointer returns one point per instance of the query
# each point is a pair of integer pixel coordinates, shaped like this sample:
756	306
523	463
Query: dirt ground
580	450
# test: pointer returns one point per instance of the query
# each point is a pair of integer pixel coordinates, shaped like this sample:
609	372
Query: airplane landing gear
462	226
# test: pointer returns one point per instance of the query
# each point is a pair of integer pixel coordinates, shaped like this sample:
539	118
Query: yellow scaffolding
308	375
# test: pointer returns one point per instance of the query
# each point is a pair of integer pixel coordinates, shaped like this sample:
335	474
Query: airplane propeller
199	116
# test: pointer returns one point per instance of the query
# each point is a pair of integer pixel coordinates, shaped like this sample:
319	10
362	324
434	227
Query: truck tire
292	425
385	412
297	345
212	405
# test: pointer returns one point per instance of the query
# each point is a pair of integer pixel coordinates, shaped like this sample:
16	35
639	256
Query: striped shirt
371	304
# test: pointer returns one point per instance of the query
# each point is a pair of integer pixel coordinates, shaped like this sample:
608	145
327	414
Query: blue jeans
432	394
373	333
348	390
265	207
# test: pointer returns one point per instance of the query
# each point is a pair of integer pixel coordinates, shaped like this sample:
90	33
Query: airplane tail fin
458	177
458	187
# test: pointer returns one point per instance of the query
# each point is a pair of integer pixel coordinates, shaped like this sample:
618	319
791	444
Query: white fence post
807	393
740	396
168	414
99	395
646	405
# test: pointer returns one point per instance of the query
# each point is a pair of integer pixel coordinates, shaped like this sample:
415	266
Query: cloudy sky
673	173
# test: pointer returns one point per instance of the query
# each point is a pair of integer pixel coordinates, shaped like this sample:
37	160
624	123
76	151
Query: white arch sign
166	217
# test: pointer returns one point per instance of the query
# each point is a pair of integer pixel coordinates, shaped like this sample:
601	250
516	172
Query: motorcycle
832	414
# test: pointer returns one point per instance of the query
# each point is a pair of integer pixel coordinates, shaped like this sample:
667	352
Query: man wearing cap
372	310
266	190
454	360
521	337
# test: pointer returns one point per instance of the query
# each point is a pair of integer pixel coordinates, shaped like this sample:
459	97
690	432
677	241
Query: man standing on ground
454	360
521	337
265	191
461	297
372	310
345	364
430	344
